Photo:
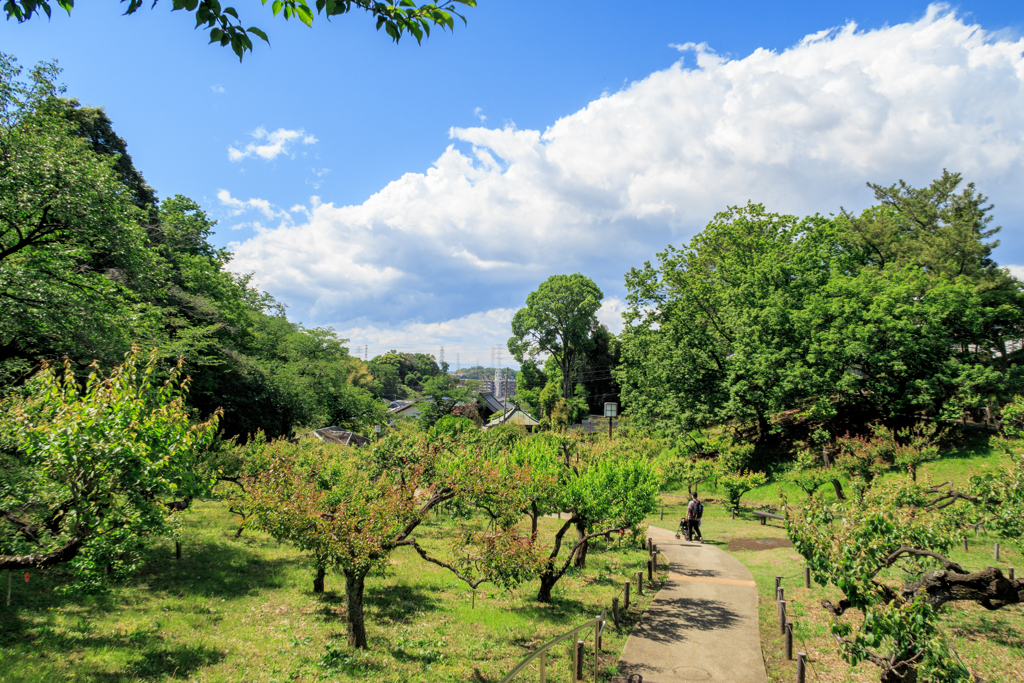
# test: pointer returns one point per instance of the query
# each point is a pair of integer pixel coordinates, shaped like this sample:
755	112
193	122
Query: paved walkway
703	624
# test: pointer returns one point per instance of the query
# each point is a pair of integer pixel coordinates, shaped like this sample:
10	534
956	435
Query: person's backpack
698	510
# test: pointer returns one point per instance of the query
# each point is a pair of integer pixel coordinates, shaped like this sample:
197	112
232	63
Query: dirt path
703	624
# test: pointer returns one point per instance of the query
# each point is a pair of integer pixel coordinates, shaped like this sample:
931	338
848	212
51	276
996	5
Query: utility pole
440	362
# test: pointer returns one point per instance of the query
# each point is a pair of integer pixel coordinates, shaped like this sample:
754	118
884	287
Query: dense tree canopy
894	313
558	320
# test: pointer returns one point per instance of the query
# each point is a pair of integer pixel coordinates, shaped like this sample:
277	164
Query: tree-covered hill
91	263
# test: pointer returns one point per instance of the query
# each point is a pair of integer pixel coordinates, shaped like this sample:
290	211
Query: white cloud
219	89
468	339
238	207
603	189
1016	271
320	175
479	113
271	145
610	313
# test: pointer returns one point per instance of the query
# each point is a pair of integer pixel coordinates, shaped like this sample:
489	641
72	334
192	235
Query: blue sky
412	195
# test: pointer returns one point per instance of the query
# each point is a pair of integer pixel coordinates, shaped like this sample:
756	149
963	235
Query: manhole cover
692	673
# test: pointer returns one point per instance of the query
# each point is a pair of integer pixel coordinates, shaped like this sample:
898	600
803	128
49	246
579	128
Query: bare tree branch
423	553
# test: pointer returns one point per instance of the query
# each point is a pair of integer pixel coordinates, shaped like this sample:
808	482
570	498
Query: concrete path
703	624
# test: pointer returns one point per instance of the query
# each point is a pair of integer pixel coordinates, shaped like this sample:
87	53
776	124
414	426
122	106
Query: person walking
694	513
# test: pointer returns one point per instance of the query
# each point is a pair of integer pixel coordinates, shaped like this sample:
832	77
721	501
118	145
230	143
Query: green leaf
276	7
260	33
305	15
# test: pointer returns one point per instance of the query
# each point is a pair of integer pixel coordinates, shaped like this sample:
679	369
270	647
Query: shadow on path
671	620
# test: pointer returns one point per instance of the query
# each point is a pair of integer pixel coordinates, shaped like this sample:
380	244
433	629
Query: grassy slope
242	610
990	643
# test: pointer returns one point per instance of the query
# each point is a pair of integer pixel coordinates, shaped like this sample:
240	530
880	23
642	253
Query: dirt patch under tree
759	543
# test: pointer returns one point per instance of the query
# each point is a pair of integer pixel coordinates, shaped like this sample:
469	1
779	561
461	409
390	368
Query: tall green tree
93	124
71	247
559	318
892	314
710	332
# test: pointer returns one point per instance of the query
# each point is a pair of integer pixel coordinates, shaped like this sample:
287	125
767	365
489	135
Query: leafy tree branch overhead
225	27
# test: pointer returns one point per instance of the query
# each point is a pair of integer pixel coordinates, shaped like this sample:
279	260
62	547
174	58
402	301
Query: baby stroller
685	529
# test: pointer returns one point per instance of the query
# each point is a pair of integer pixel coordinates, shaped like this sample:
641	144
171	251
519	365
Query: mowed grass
243	610
991	643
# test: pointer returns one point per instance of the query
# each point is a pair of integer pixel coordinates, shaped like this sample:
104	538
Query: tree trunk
318	580
354	583
763	427
839	489
533	521
580	560
547	581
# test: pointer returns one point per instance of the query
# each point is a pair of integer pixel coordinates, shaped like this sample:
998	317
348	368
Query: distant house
406	409
517	416
335	435
491	406
409	408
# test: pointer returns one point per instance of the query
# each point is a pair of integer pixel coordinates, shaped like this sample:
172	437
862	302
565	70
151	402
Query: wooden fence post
577	662
177	550
640	583
997	552
789	641
650	570
801	673
625	602
615	610
965	544
807	579
734	513
782	617
544	666
1011	574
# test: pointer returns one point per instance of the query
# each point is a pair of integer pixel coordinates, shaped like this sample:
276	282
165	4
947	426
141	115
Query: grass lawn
243	610
990	643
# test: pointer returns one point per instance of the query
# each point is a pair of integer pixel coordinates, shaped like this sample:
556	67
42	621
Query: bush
1013	418
737	484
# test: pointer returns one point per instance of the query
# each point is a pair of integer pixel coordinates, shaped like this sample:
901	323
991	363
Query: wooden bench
765	516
